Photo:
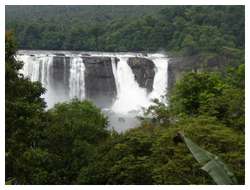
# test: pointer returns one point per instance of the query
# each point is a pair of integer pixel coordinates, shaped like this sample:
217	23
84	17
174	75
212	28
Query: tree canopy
189	29
70	143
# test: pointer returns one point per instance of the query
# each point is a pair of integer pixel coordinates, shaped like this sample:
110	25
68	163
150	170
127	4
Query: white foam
77	78
129	95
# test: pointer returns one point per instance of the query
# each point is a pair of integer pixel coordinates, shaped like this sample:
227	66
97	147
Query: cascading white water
31	67
76	80
161	77
36	67
26	70
130	96
46	71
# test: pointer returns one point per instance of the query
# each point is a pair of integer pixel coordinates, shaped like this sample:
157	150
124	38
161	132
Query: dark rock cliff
61	64
99	80
178	66
143	70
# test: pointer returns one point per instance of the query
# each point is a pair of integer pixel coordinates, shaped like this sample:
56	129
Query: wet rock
60	73
99	80
59	54
143	70
121	119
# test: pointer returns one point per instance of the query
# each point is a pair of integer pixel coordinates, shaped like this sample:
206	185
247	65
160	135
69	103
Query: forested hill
72	144
189	29
79	14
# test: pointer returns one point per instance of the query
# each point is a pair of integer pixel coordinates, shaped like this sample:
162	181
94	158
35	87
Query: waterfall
27	66
36	67
76	79
160	79
71	84
64	79
46	71
130	96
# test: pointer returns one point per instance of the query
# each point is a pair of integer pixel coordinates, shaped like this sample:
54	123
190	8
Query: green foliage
209	108
46	147
70	143
194	89
189	29
211	163
24	112
158	113
213	95
208	134
148	155
123	159
78	118
189	45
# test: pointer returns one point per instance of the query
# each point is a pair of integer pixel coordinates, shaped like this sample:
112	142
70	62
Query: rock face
177	66
61	64
99	80
143	70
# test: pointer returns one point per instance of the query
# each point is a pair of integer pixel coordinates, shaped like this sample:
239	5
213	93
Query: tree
24	111
208	94
75	129
189	45
96	31
188	29
148	154
214	166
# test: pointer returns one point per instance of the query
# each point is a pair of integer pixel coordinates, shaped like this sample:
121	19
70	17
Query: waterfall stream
130	97
76	79
161	77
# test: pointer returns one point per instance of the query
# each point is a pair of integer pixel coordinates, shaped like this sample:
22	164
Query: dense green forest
189	29
71	144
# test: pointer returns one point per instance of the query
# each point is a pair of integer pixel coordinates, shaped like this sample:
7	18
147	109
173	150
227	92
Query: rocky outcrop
99	80
177	66
143	70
